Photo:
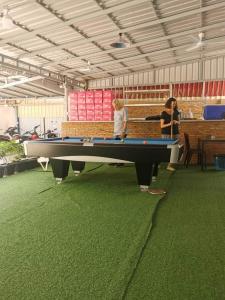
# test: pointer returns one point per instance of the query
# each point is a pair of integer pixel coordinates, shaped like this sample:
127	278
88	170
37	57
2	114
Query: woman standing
120	119
169	123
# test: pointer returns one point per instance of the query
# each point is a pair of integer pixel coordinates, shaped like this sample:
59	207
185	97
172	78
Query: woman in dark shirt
170	117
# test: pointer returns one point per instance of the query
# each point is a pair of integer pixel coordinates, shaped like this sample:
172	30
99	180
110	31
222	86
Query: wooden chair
189	151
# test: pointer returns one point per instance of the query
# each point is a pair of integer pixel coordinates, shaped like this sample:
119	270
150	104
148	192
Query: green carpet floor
184	257
78	240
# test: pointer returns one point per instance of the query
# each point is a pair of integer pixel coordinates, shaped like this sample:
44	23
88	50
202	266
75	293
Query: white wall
7	118
36	113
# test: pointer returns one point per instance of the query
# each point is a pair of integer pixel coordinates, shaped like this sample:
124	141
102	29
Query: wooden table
207	141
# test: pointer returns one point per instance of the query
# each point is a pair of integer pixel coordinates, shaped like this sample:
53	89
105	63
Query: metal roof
56	39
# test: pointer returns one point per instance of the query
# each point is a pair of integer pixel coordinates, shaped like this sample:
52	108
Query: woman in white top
120	119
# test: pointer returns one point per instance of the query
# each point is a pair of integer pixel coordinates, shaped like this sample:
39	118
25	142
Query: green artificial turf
184	257
78	240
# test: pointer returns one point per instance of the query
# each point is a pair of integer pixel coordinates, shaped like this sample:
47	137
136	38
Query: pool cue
171	119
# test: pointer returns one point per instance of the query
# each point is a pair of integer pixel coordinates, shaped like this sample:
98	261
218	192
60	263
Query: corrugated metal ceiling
60	37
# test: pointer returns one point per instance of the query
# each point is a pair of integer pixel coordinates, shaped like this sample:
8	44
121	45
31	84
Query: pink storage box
98	106
89	94
107	100
90	100
107	106
73	95
98	94
73	107
81	112
90	111
107	94
98	112
90	117
82	118
81	101
98	118
90	106
98	100
81	95
81	106
108	112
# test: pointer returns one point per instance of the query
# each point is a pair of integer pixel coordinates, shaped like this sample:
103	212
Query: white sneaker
171	169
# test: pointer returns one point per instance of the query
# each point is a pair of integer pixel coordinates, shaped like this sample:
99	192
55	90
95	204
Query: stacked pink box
98	105
90	107
107	105
81	106
73	112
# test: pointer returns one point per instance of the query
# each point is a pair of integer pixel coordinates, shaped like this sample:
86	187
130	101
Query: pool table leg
60	169
144	174
77	167
155	169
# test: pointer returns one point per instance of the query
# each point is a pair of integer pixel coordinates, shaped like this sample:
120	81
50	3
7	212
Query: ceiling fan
6	21
86	68
199	42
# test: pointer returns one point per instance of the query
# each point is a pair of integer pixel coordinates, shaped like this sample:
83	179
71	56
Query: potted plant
10	152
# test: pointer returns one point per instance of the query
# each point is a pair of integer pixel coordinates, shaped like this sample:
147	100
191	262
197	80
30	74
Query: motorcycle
51	133
30	135
10	134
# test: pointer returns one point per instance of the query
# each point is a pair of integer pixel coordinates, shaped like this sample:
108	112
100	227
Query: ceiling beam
144	43
147	65
148	54
126	30
77	20
49	86
14	83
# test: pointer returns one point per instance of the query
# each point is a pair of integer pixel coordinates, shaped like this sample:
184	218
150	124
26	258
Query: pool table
145	153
